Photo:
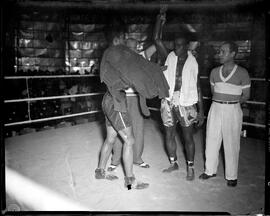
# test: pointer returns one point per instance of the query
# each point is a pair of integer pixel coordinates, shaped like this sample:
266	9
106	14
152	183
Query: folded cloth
122	68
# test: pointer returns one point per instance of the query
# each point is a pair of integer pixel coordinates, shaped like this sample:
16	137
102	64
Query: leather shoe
112	168
173	167
204	176
232	183
132	183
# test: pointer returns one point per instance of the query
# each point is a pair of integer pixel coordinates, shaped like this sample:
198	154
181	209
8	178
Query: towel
188	92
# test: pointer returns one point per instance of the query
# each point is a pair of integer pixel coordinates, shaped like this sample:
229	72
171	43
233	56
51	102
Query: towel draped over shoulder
188	92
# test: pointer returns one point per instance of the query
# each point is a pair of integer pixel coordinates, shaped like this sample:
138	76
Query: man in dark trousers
121	69
136	116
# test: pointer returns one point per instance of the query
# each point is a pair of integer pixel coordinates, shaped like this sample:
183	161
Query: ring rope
49	76
51	118
53	97
28	103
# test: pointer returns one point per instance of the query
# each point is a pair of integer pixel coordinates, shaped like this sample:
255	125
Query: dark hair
112	32
187	36
233	46
182	36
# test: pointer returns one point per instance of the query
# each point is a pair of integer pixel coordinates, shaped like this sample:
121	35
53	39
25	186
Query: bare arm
212	89
211	81
149	51
245	95
162	50
246	87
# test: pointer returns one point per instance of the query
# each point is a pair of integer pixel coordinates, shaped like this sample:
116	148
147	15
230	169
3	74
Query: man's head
227	52
132	44
194	48
180	46
116	36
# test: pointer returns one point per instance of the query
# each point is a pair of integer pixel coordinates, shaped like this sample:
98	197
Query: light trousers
224	123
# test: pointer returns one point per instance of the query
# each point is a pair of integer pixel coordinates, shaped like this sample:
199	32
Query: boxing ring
60	163
52	169
57	165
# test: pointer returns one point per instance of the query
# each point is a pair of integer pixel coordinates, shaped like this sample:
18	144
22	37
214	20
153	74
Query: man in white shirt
230	86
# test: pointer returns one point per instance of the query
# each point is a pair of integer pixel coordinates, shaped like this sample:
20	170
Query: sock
173	160
190	163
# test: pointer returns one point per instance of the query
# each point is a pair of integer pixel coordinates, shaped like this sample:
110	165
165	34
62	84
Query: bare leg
171	148
170	141
189	142
130	180
106	148
127	136
105	152
190	151
117	154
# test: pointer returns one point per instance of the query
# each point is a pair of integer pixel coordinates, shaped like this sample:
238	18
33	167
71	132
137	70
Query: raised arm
149	51
162	50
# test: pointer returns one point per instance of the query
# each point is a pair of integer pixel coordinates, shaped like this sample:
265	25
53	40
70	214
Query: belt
226	102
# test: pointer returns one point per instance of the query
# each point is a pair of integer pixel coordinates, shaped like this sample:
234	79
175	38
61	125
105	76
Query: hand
164	67
162	13
163	9
162	18
200	118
